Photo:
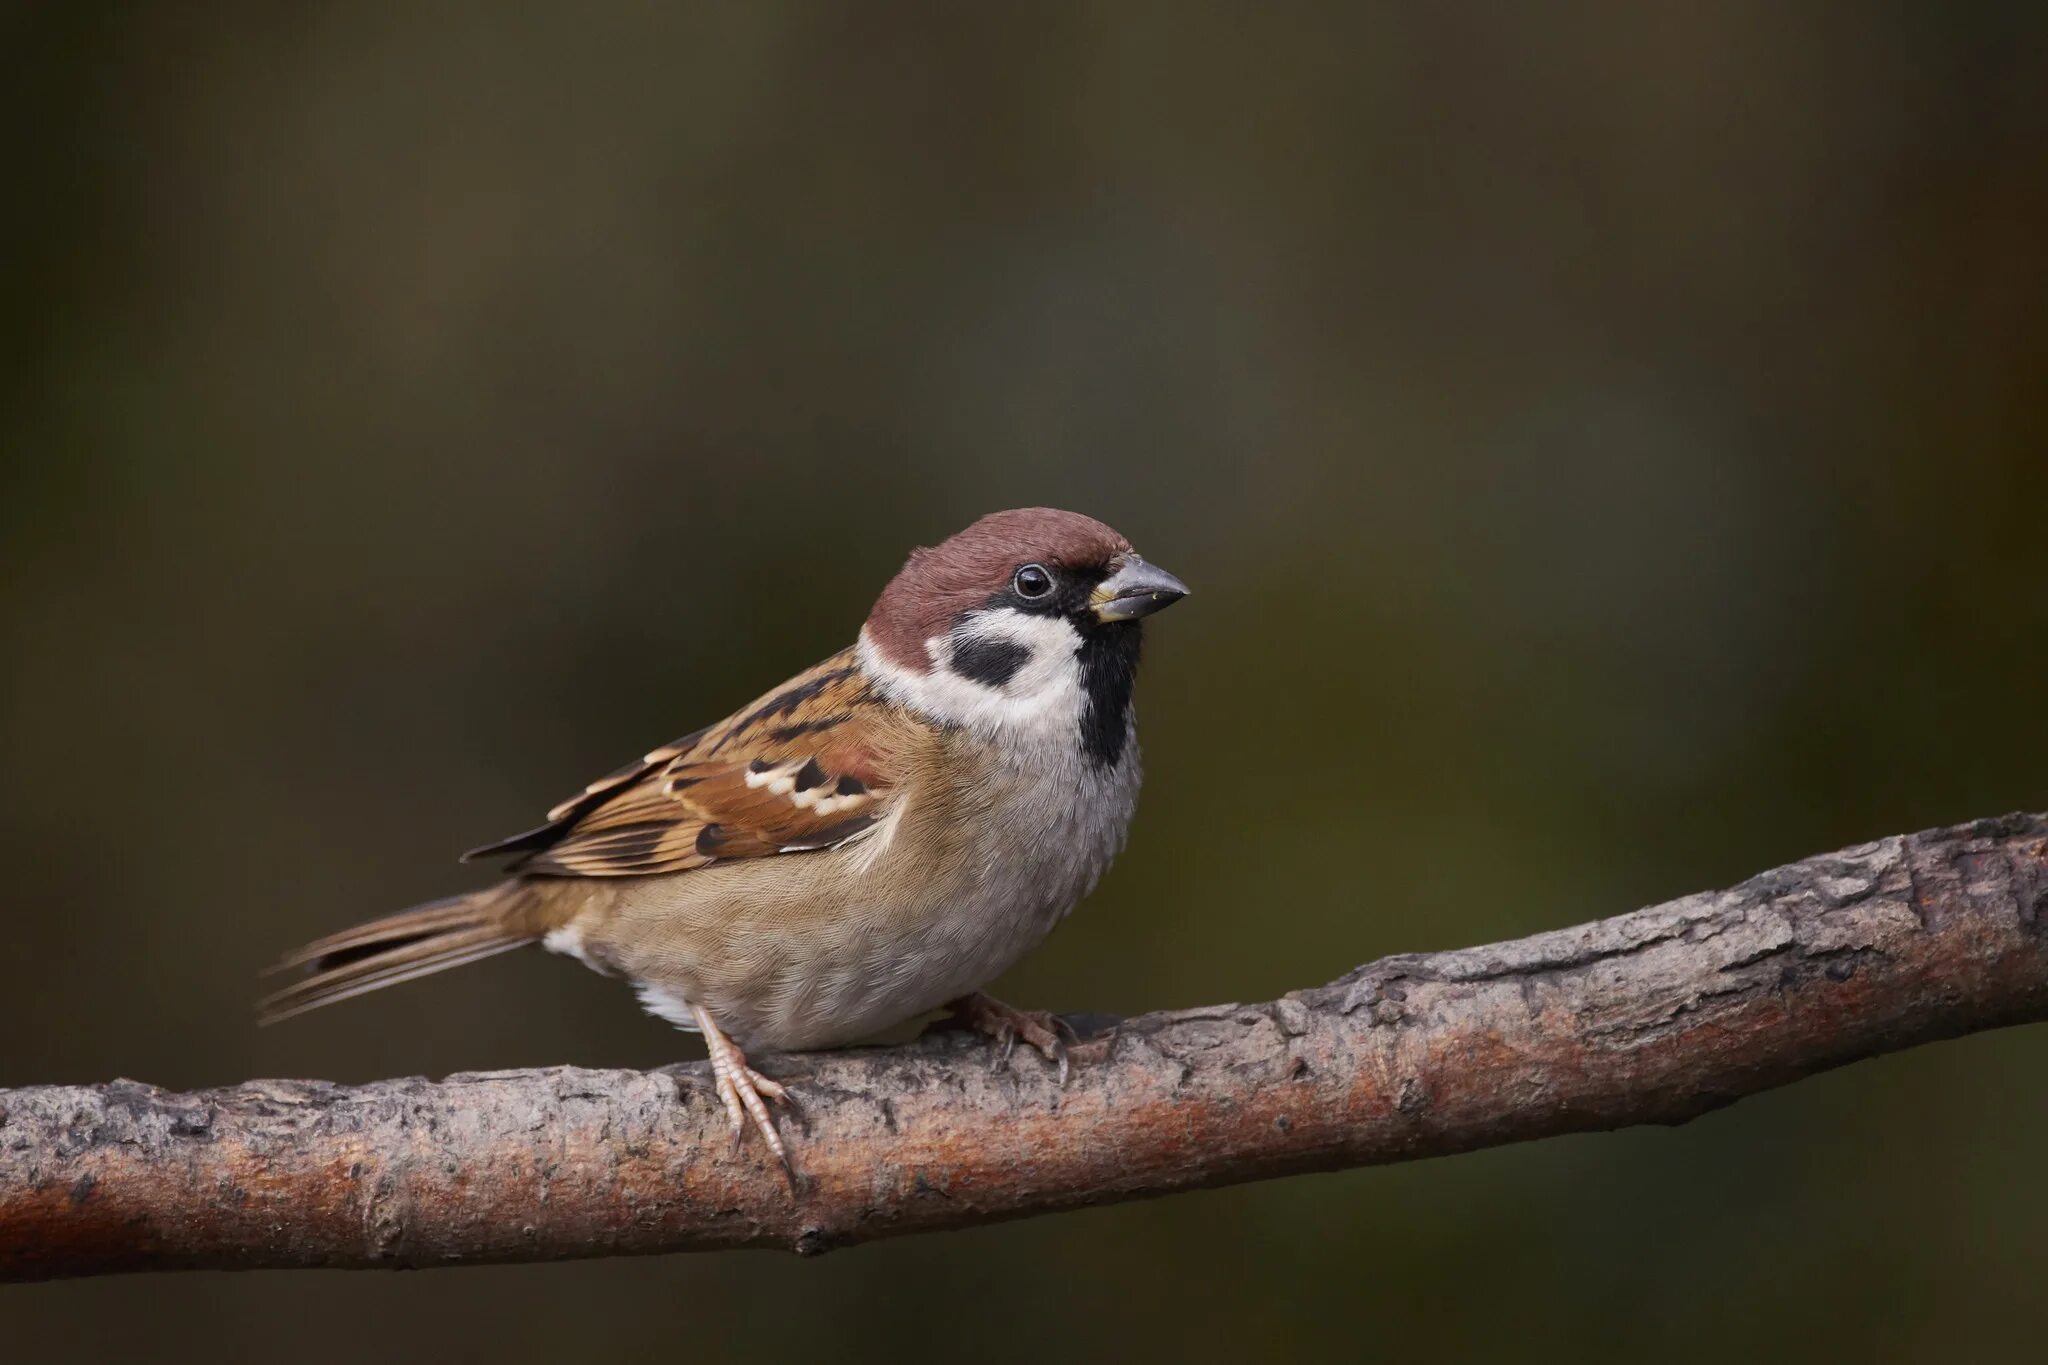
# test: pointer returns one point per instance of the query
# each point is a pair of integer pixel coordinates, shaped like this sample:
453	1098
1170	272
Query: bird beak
1135	589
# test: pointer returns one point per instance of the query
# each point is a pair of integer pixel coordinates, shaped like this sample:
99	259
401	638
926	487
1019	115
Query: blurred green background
1609	445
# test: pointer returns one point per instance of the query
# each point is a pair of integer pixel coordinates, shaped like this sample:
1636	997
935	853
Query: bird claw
1006	1024
746	1094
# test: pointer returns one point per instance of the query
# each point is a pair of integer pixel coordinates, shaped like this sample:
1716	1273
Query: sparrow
873	840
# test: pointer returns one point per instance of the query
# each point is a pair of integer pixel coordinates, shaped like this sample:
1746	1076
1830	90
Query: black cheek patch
989	662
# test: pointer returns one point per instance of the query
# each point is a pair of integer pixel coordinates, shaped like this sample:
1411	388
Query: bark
1651	1017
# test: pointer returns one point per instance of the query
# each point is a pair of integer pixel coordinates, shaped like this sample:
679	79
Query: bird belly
840	964
819	949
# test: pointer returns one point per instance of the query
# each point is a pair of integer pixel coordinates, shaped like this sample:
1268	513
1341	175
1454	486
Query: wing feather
788	773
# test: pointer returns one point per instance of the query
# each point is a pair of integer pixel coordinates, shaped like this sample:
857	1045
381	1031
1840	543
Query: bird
872	841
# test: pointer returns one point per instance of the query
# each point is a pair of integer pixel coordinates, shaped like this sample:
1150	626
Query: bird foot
745	1092
1006	1024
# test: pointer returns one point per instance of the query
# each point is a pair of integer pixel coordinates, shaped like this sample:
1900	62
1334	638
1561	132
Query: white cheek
1043	698
1052	652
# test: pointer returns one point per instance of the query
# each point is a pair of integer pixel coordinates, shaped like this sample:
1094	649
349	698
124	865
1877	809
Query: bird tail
427	938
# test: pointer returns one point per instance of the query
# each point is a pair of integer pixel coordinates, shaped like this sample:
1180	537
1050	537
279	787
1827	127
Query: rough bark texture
1652	1017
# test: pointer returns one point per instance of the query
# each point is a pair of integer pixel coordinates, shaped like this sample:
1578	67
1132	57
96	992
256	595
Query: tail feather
427	938
456	912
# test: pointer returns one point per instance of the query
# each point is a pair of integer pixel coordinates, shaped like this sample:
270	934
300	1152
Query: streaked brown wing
786	774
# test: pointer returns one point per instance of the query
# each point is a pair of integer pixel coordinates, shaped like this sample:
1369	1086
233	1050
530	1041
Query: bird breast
985	850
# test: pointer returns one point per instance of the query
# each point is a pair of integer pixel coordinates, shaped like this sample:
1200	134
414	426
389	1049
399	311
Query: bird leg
1006	1024
743	1090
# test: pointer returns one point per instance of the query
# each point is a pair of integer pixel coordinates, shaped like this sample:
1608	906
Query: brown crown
936	585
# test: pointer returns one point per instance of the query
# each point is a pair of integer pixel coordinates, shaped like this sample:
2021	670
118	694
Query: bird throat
1109	672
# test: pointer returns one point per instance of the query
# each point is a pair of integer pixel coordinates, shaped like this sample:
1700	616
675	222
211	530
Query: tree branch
1653	1017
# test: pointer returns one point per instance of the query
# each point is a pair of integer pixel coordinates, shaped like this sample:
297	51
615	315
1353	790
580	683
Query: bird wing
793	772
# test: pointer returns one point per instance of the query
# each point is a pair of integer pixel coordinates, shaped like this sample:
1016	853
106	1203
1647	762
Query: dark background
1607	447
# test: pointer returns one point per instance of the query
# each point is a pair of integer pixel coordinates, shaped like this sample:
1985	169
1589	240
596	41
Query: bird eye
1032	581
